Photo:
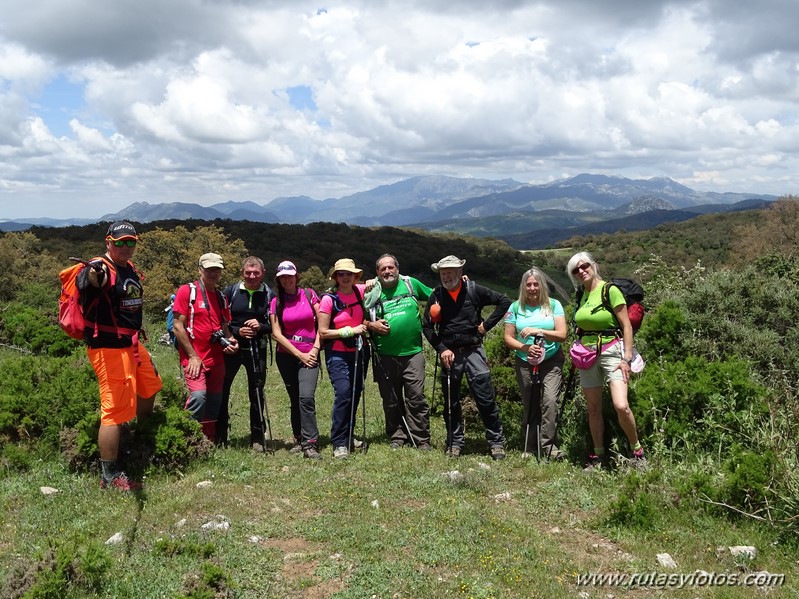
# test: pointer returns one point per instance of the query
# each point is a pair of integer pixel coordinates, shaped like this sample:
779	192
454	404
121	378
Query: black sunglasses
131	243
583	266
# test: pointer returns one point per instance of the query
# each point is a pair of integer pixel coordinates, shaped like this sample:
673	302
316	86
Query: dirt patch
301	559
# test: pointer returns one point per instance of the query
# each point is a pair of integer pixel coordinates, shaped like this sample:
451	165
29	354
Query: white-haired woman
611	335
535	326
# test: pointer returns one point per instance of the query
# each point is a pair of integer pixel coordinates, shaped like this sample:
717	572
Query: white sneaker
342	453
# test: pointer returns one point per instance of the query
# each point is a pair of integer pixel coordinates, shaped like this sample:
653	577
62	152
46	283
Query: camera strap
214	325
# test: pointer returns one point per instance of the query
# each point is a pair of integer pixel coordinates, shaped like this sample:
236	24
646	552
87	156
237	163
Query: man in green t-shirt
396	328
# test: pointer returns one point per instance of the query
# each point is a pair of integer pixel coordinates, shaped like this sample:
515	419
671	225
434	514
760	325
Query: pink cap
286	268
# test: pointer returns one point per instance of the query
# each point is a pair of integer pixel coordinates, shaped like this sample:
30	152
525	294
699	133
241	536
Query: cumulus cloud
204	101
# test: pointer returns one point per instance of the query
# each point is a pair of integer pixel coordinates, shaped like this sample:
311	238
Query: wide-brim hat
347	264
448	262
121	230
211	260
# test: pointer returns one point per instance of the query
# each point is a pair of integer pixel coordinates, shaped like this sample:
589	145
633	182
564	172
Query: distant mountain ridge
500	208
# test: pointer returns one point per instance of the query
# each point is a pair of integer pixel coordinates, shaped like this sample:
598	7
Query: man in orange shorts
126	373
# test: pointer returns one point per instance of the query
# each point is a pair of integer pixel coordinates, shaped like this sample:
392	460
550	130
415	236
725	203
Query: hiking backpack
338	307
379	304
71	312
633	295
471	292
220	298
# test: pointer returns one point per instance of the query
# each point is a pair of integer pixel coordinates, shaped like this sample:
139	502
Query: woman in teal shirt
614	334
535	326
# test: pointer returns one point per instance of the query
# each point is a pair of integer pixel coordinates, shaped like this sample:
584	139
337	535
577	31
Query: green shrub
700	403
168	440
14	459
35	329
62	571
39	396
748	478
172	547
637	506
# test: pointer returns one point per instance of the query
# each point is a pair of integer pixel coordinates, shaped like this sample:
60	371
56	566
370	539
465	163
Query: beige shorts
605	369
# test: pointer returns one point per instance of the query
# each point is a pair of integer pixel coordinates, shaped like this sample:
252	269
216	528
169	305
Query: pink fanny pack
584	357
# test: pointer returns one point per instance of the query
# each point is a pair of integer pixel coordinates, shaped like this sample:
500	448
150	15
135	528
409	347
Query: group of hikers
217	331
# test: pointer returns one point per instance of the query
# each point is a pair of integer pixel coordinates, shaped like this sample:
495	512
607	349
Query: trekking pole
534	398
528	408
538	340
448	405
260	380
354	392
537	391
435	376
364	444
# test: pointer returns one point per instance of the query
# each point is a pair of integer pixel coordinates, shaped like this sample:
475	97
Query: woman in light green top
598	325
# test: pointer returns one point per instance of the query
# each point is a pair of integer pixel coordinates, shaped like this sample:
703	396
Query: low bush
61	571
168	440
40	395
698	403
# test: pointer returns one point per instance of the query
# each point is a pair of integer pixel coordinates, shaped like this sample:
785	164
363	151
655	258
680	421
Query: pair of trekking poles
534	398
263	408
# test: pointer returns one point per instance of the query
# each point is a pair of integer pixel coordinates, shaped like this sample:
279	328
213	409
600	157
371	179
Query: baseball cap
211	260
121	230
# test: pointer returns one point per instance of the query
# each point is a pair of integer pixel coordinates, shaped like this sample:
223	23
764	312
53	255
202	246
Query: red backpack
71	313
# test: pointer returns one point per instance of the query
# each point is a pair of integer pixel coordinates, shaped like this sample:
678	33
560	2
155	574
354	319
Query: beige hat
211	260
448	262
347	264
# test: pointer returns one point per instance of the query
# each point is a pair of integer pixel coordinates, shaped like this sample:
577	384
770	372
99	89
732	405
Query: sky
106	103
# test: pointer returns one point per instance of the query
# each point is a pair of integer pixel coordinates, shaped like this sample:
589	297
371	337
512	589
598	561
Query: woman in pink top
341	326
293	313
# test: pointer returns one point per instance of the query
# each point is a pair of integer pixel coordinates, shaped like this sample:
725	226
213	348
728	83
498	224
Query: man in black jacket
249	308
455	328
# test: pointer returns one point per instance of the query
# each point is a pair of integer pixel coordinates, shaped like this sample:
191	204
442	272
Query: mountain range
526	216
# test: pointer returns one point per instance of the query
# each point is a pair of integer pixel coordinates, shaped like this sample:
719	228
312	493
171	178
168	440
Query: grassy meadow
383	524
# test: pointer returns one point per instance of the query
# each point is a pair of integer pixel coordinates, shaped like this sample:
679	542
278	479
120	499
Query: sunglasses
344	273
583	266
131	243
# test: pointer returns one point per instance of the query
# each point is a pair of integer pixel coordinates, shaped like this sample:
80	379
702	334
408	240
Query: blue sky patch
59	102
301	97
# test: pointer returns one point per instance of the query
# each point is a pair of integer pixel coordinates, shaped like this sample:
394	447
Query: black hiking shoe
595	463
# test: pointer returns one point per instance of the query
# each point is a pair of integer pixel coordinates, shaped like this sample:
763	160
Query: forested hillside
321	244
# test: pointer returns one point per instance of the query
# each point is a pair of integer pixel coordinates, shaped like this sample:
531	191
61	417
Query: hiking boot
497	452
423	446
556	455
341	453
595	463
120	481
396	444
312	453
454	452
296	448
258	447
